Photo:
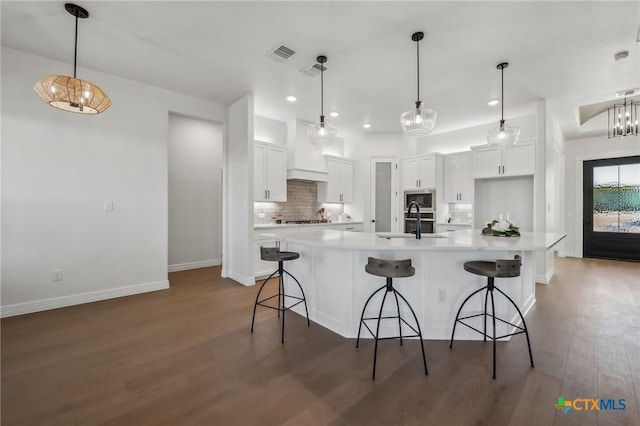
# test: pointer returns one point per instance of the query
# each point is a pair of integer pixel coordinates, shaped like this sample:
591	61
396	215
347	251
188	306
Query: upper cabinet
339	187
515	160
419	172
269	172
458	178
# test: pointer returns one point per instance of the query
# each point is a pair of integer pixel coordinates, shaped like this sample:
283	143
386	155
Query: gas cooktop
303	221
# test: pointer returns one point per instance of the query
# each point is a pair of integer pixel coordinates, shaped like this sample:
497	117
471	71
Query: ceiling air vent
627	93
313	69
280	53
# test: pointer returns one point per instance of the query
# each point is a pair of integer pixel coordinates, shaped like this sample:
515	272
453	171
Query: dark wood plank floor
186	356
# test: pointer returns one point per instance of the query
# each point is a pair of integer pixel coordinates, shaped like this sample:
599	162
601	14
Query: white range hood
304	160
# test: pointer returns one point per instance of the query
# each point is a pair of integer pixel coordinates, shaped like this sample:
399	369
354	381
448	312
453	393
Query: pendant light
71	93
623	119
322	133
418	121
503	134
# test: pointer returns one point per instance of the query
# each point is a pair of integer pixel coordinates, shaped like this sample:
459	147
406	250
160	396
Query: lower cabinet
444	227
353	227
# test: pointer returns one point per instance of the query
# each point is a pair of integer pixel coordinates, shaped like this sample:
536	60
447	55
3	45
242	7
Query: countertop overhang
467	239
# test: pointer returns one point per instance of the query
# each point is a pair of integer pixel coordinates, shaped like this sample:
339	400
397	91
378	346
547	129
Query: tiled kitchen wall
461	213
302	203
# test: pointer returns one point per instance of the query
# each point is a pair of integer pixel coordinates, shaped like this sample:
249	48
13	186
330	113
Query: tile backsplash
302	203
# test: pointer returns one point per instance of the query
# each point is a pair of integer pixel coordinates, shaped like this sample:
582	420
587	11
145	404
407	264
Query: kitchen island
331	271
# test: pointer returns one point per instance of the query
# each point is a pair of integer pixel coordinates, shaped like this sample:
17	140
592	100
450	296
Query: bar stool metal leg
458	314
364	309
255	305
377	336
415	317
524	324
303	296
493	316
395	293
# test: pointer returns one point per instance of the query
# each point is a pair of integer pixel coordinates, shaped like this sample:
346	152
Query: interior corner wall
59	168
195	193
238	193
576	152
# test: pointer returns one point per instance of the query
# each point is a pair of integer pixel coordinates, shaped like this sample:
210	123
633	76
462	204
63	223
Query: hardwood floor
186	356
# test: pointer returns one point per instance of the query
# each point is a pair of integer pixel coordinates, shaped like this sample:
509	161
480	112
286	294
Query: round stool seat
502	268
274	254
486	269
390	268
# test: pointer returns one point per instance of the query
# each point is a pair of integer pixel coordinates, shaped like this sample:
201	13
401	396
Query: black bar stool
274	254
390	269
499	269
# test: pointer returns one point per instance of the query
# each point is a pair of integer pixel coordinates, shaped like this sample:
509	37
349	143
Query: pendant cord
75	50
502	94
321	89
418	67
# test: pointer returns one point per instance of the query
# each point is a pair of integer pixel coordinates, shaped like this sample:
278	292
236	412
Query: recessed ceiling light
493	102
623	54
366	125
334	114
292	98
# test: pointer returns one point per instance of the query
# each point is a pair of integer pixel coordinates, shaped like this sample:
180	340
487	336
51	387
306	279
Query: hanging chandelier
503	134
322	133
622	119
70	93
418	121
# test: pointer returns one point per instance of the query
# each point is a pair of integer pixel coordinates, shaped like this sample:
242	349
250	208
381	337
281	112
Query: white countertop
465	239
298	225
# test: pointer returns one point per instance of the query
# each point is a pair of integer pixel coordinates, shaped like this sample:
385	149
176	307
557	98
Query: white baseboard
194	265
78	299
247	280
545	279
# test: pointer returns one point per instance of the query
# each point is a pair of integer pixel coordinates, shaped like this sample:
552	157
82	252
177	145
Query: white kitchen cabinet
444	227
269	172
513	160
419	172
458	178
353	227
339	187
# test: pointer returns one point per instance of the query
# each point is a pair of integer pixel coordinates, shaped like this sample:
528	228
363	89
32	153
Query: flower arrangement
501	228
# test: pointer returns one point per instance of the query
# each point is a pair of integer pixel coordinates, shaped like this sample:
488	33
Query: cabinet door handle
265	194
502	169
268	193
499	170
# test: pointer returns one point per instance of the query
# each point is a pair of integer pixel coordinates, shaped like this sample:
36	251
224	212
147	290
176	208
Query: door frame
395	191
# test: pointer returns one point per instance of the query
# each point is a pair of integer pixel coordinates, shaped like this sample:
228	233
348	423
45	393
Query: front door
611	197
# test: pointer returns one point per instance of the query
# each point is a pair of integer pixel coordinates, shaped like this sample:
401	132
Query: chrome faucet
418	230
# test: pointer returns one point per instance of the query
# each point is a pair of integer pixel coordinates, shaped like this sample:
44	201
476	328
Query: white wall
577	151
58	168
195	193
238	193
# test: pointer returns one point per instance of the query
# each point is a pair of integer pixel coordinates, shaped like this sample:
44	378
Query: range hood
304	160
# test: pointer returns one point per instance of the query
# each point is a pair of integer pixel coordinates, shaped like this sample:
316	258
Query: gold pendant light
71	93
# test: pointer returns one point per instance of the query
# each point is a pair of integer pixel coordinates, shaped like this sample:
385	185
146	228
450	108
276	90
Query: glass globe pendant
322	133
418	121
503	134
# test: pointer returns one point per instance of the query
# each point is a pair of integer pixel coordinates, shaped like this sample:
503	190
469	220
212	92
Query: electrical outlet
56	275
442	295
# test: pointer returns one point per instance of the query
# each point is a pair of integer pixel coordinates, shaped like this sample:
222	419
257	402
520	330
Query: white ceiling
558	51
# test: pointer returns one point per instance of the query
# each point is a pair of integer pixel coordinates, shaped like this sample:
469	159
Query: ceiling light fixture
493	102
623	119
503	134
366	125
334	114
291	98
71	93
322	133
418	121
